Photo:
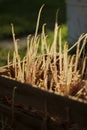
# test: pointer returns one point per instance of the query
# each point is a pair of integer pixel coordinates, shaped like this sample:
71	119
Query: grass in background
4	52
64	34
3	56
23	14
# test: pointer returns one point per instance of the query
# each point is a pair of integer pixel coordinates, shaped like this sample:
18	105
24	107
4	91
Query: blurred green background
23	14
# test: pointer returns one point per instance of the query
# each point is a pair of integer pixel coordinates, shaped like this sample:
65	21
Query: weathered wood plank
27	120
55	105
23	120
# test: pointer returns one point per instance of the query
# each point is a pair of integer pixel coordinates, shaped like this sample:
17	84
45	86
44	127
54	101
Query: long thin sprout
38	20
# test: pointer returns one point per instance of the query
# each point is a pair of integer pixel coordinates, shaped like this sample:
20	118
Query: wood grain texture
55	105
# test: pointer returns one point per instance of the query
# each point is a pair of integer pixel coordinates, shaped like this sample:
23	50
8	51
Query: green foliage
64	33
23	14
3	56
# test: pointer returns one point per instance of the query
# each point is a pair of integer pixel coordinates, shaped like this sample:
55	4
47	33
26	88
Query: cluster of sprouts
50	67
